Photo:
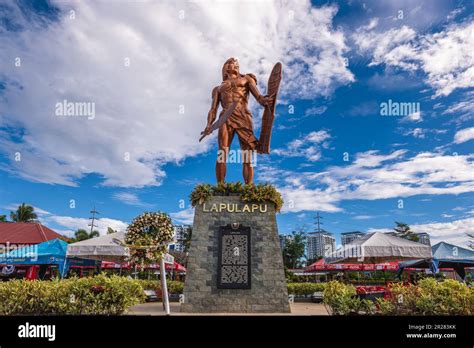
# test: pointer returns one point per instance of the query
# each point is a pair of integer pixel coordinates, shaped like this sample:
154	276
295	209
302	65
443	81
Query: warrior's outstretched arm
211	116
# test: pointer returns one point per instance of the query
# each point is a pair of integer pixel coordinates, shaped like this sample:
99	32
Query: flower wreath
147	237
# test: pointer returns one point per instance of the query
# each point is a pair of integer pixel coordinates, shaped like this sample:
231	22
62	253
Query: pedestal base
266	290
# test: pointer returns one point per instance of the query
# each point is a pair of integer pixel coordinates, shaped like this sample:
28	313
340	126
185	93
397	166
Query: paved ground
156	308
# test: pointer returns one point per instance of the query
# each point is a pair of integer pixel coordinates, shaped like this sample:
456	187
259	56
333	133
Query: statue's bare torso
235	88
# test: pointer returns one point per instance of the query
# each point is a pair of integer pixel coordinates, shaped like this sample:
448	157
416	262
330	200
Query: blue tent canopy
448	252
444	255
52	252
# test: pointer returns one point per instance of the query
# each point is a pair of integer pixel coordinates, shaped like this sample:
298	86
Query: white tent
104	248
379	247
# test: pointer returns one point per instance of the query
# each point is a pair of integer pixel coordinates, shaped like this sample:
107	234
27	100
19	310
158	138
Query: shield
269	112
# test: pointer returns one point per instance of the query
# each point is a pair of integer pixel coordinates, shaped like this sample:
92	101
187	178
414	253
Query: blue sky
149	69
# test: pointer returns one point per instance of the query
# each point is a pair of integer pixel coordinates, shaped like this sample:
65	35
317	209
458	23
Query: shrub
302	289
340	297
96	295
174	287
248	193
428	297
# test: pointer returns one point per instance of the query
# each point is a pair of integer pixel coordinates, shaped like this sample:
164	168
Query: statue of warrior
235	117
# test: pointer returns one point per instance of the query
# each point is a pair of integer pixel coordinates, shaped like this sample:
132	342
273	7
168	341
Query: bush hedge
428	297
342	300
96	295
304	289
248	193
174	287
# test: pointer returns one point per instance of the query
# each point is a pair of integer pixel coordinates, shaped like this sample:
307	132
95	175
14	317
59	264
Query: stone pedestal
265	289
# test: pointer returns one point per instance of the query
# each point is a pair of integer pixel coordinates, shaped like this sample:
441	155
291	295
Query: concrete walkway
156	308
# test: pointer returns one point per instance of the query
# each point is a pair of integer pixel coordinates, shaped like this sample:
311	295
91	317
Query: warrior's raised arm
252	81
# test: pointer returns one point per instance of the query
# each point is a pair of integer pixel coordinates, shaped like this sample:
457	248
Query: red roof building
26	233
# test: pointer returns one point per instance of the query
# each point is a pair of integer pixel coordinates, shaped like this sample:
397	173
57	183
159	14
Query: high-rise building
424	238
349	237
319	244
179	237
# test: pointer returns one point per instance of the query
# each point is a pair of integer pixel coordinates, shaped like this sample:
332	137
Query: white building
424	238
349	237
178	238
319	244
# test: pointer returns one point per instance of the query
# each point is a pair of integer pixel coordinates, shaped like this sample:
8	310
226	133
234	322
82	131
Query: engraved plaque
234	258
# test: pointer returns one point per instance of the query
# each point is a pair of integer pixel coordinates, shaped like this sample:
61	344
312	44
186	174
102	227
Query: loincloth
241	122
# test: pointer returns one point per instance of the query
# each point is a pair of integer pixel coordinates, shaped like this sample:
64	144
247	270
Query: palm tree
24	213
402	230
82	234
3	218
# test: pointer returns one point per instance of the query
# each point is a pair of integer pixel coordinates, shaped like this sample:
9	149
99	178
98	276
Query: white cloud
414	117
446	57
373	176
447	215
173	63
363	217
40	212
315	110
309	146
74	223
184	216
423	132
453	232
464	135
454	13
463	109
130	199
417	133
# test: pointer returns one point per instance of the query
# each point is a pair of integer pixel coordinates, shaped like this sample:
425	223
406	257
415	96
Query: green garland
248	193
148	237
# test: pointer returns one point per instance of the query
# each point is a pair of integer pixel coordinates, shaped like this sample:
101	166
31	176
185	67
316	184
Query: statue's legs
248	151
248	173
225	136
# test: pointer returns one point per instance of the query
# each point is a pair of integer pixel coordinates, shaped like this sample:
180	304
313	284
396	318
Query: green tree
402	230
3	218
110	230
24	213
294	249
82	234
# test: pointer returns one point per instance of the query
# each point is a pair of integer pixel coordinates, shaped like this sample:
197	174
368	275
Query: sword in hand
216	125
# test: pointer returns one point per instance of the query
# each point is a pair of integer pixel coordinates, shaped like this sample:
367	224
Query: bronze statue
235	116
